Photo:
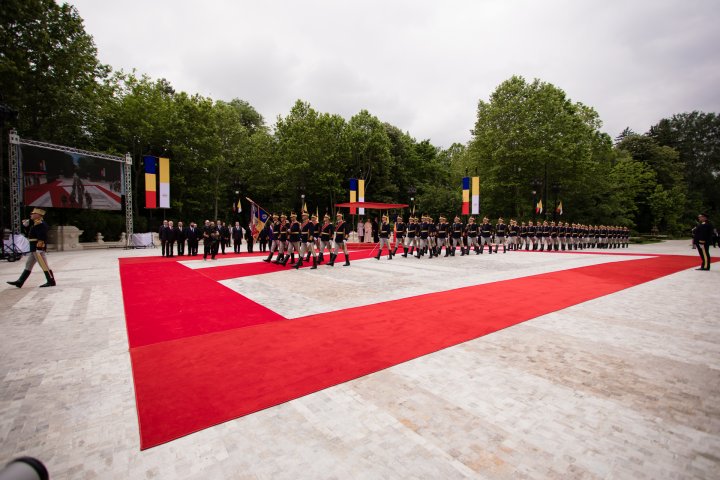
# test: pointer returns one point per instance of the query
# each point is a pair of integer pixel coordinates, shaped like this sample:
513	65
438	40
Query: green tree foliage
696	138
49	71
532	132
526	132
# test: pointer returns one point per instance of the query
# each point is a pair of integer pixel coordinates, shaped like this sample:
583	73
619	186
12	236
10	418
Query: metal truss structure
16	183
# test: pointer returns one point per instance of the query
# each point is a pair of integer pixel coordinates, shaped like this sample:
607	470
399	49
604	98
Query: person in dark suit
180	238
170	233
224	235
249	240
192	234
375	230
702	238
237	235
162	234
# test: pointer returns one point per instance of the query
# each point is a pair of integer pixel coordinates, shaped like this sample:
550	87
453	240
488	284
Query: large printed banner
60	179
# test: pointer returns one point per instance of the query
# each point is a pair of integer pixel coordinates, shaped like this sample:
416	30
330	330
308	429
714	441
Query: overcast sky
421	65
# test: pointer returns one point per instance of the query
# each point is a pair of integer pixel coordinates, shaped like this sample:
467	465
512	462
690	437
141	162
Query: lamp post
536	184
556	190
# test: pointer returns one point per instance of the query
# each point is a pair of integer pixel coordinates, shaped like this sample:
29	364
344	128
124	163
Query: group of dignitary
216	236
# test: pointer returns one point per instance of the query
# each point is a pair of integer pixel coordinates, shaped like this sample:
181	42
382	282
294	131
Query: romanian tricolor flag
466	196
164	182
150	181
475	195
361	195
353	194
538	207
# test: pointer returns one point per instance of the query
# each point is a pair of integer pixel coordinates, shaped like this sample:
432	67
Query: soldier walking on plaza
342	230
37	236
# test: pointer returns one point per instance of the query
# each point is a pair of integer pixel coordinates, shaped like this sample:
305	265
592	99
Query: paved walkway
623	386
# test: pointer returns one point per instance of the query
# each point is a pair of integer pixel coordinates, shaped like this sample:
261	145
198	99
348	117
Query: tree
696	138
369	146
50	73
531	132
661	205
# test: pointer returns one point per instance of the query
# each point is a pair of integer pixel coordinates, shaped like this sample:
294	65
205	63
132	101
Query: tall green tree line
528	136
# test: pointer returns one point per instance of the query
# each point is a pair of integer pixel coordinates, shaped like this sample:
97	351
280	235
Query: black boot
447	252
292	258
315	264
347	260
332	260
405	252
307	257
320	258
299	263
269	257
20	281
50	279
394	252
378	255
285	260
279	259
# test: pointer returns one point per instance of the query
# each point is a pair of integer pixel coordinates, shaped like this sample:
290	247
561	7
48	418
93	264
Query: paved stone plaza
623	386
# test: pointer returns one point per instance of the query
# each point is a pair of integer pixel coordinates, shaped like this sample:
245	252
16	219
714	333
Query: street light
556	190
536	184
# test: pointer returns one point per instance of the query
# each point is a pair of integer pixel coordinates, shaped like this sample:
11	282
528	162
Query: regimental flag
150	181
361	195
558	209
538	207
164	182
353	194
466	195
475	196
258	219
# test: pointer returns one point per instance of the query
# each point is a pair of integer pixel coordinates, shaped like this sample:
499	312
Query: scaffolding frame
16	183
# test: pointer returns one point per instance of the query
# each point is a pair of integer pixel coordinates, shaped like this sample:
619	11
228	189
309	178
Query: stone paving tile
623	386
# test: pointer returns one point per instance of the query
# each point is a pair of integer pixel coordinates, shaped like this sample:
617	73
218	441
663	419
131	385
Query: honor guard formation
298	241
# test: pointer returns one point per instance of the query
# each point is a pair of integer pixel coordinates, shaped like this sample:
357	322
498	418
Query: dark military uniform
37	233
342	231
702	237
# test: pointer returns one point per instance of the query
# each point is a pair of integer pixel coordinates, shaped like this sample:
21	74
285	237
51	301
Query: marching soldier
500	232
442	233
307	241
486	231
533	235
424	236
342	231
524	242
544	234
293	237
384	232
412	234
37	236
326	234
282	236
514	234
432	237
456	233
400	232
273	232
472	230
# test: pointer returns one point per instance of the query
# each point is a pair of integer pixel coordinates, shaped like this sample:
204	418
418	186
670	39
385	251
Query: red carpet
194	373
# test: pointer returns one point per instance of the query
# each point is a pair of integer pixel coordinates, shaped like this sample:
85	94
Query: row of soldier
420	236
